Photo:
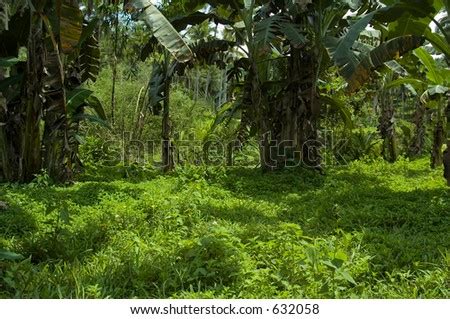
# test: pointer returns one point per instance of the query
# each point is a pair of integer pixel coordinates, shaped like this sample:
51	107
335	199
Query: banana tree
288	47
166	35
435	89
53	33
175	57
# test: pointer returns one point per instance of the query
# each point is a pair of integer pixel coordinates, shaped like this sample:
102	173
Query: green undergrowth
370	230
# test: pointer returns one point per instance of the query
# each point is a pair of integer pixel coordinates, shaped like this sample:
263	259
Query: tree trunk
167	147
387	127
446	157
417	145
5	170
10	140
289	123
90	7
438	141
114	67
307	107
446	160
30	158
55	141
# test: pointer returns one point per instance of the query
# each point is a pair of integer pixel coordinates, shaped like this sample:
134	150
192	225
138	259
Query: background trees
273	60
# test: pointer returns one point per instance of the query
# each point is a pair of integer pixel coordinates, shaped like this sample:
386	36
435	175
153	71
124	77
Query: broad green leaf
89	59
226	113
340	107
346	276
7	255
166	34
93	102
417	84
156	85
292	32
76	98
88	31
337	262
438	42
387	51
408	25
266	30
71	26
431	92
427	60
8	62
329	264
396	67
340	49
437	89
341	255
92	119
395	9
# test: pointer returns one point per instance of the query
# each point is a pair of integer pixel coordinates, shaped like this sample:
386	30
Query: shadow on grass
400	229
85	194
16	222
43	235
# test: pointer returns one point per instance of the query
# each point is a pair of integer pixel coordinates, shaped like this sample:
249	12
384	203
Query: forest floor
370	230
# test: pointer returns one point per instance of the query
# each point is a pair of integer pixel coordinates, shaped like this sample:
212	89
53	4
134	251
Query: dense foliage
244	148
369	230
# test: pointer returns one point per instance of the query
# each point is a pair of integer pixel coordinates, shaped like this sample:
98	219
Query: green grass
366	231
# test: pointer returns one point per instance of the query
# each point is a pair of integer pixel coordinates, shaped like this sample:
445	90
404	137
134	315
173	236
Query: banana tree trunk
387	127
307	106
114	67
10	140
290	122
31	156
258	108
446	157
446	160
438	141
417	145
167	147
5	170
55	141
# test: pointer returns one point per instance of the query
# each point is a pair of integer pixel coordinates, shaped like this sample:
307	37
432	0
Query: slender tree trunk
446	157
4	150
137	116
387	127
417	145
90	6
114	67
167	147
208	80
438	141
11	131
446	160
